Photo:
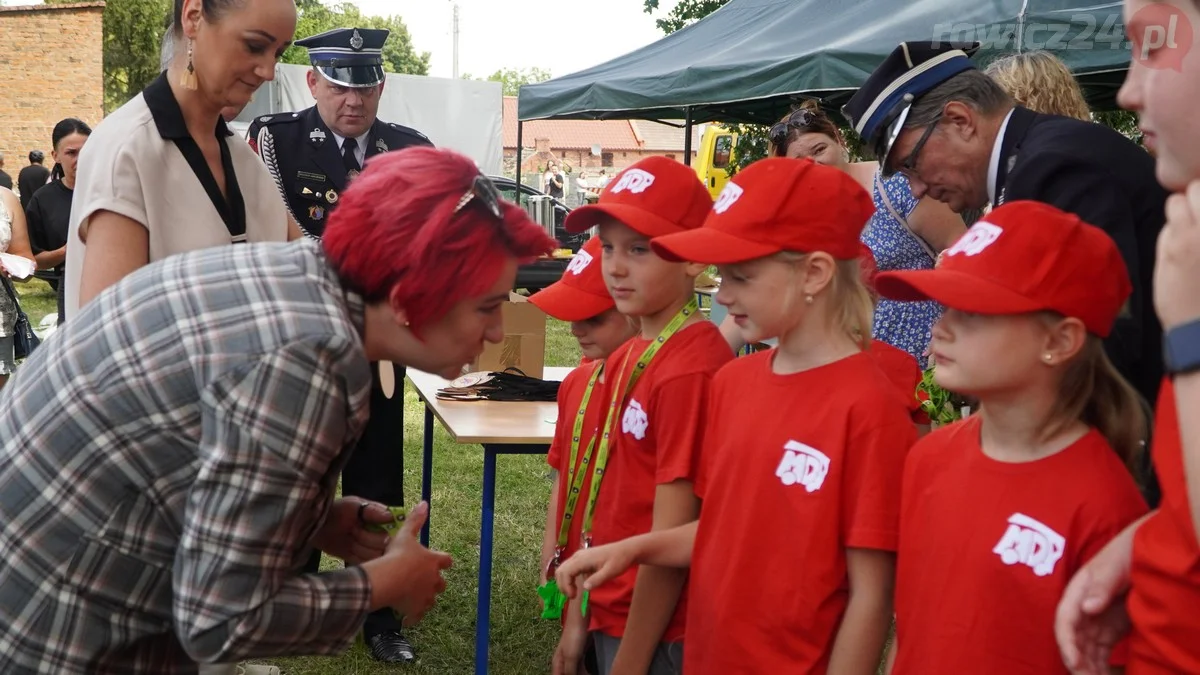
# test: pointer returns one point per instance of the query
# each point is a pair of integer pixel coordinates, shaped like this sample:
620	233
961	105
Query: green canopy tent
752	59
749	60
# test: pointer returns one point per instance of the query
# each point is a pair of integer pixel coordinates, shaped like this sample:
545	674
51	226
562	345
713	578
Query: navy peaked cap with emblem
879	108
350	57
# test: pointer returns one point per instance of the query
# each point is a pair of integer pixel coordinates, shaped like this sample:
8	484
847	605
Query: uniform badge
353	174
356	41
316	177
306	191
265	118
316	212
380	145
331	196
316	136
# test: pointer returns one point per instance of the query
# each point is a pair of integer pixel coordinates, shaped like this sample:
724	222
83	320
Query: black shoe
390	646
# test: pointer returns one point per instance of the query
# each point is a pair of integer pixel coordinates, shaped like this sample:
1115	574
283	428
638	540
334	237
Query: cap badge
981	235
634	180
579	263
728	196
356	41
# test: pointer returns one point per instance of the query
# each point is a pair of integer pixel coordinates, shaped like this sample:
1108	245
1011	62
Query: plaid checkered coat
165	459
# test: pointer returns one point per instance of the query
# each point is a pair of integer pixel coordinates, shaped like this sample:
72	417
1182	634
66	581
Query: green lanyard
578	468
554	599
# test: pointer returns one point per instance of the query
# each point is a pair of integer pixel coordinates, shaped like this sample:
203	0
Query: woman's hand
1176	274
408	576
345	535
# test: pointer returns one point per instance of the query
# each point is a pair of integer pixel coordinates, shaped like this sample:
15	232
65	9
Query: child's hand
569	655
598	564
1091	616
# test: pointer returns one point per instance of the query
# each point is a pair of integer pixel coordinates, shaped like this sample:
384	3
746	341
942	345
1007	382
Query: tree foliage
133	31
511	79
398	53
683	13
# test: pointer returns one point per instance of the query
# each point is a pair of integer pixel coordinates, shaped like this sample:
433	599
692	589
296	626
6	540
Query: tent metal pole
687	136
520	156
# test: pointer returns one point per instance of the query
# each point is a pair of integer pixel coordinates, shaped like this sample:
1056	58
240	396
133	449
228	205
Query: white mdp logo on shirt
803	465
1029	542
634	421
579	263
728	196
980	236
634	180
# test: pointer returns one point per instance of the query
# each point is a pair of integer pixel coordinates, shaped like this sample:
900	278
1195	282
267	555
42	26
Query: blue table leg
427	473
484	607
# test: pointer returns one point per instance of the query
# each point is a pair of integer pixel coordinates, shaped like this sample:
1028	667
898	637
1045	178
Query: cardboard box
524	344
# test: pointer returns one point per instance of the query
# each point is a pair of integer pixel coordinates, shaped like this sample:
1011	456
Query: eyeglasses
908	166
484	192
801	118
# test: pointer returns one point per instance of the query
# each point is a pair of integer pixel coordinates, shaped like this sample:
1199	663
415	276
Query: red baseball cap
654	196
580	293
1024	257
775	205
866	262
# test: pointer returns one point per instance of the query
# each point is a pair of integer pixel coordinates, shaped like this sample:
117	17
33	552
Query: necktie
348	158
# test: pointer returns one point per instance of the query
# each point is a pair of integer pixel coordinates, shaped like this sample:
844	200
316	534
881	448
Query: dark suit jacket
302	155
1108	181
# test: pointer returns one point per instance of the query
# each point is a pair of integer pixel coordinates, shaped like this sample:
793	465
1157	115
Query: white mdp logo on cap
634	180
728	196
980	236
579	263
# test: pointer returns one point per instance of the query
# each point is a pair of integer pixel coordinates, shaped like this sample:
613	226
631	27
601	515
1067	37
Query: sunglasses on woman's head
484	192
798	120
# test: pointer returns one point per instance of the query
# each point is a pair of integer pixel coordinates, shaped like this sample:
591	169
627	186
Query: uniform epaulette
277	118
408	130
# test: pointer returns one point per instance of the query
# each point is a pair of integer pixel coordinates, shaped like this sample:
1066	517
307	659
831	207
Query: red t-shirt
796	468
658	439
570	397
904	372
1164	602
987	549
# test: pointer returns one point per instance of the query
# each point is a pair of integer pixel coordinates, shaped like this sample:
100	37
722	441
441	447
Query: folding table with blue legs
501	428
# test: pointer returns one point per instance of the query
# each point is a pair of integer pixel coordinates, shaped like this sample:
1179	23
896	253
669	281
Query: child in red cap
658	395
581	298
1000	509
792	557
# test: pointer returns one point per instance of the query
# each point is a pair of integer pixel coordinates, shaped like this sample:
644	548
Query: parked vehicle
541	273
714	156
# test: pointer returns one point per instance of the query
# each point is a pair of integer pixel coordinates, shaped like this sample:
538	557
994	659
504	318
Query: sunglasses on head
484	192
798	120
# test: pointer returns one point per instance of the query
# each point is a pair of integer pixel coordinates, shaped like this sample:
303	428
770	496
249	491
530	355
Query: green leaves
942	406
398	53
684	13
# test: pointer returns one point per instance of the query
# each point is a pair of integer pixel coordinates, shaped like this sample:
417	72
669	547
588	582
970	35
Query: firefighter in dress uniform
313	155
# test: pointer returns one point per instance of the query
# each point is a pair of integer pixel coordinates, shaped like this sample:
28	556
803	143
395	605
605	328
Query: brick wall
51	67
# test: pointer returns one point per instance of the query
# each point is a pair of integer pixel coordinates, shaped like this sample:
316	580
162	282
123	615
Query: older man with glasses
928	113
